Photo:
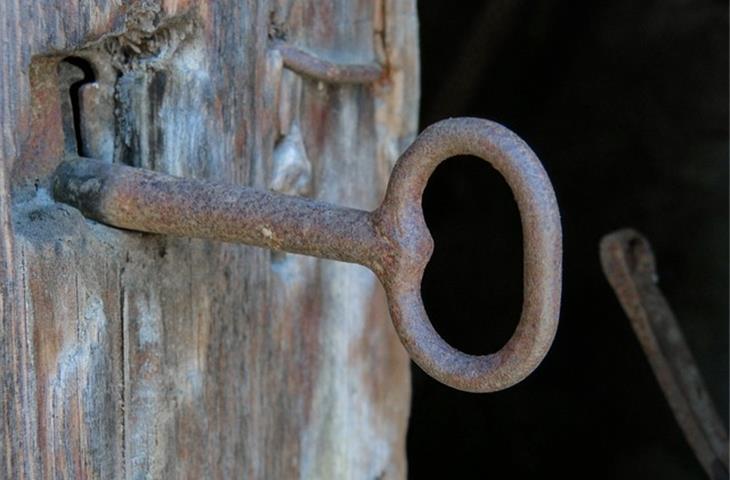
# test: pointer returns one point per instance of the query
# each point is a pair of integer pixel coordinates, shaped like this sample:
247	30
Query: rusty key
393	240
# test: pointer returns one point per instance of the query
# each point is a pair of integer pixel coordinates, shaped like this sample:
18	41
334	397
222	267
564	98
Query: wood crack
124	373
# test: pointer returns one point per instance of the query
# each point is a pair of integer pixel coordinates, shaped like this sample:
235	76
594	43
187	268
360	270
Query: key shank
153	202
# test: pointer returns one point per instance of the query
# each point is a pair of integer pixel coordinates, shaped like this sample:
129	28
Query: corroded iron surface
393	240
628	263
318	68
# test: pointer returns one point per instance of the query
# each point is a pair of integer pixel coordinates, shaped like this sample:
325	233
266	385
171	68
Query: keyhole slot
74	73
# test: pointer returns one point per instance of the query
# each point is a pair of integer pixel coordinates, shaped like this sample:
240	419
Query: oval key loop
393	241
401	216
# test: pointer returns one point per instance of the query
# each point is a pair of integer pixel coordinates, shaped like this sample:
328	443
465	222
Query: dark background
626	104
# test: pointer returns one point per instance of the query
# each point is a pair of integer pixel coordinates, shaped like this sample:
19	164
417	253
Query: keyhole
74	72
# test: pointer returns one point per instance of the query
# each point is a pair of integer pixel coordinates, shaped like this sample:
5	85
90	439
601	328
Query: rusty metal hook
393	241
629	265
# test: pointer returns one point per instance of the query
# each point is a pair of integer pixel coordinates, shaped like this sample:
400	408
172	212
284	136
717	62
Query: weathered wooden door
129	355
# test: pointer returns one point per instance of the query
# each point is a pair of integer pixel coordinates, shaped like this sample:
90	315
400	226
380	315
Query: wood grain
128	355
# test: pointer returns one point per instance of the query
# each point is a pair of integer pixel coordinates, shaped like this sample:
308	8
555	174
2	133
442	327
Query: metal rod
310	65
148	201
629	265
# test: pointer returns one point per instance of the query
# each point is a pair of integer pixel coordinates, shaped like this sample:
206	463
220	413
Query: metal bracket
393	240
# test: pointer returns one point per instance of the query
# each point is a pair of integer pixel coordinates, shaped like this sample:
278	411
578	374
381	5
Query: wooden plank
128	355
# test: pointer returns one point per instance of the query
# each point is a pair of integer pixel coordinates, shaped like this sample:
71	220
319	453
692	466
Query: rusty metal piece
307	64
393	241
628	263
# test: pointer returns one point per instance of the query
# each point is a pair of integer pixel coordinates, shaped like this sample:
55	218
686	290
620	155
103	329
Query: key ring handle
400	219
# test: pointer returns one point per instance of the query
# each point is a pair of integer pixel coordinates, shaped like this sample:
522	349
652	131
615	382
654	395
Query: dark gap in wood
123	378
74	88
